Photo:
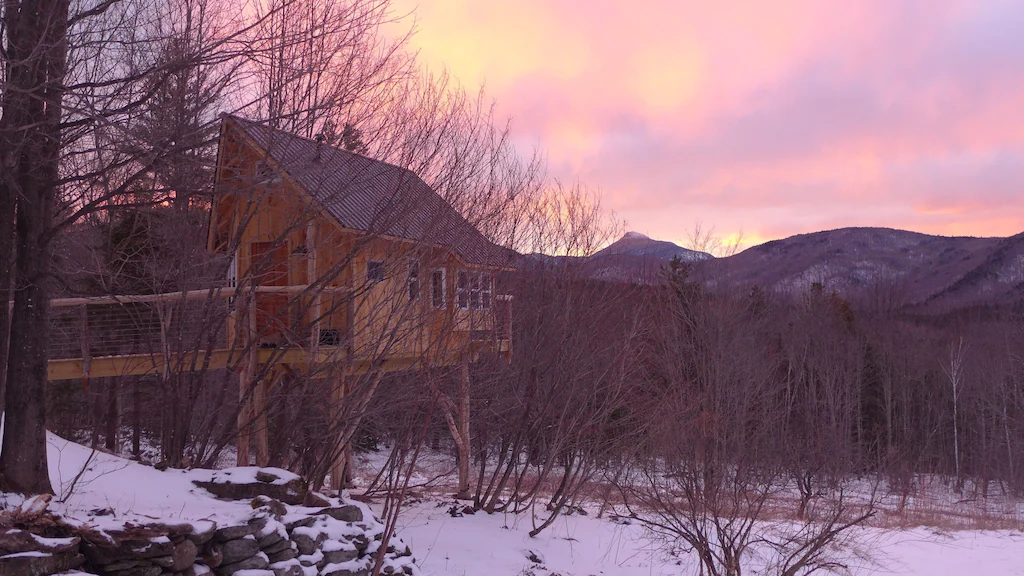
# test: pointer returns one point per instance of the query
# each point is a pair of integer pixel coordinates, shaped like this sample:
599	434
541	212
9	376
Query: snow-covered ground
112	490
575	545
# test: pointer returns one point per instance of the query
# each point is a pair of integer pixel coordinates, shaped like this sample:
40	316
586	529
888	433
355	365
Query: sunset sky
771	118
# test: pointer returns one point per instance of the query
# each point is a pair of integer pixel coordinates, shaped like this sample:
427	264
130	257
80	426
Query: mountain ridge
908	269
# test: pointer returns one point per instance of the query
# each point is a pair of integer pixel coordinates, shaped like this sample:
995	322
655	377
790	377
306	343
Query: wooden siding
279	234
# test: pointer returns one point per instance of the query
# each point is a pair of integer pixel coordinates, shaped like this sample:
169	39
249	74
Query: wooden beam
141	364
192	295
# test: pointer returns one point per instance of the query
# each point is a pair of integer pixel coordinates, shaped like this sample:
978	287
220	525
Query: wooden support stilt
260	439
243	417
346	473
246	377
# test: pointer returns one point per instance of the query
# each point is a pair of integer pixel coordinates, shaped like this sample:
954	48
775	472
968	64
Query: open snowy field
498	544
585	546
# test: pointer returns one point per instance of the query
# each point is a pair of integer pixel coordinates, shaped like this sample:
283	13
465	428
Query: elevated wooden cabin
370	262
344	265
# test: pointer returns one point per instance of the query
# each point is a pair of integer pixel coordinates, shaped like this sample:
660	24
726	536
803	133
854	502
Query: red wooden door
270	268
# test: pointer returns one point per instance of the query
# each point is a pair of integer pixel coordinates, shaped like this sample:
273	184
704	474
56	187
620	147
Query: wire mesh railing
177	327
157	324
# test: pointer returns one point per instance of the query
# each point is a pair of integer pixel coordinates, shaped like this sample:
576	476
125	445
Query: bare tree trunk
457	417
7	204
112	415
954	371
341	468
36	55
465	448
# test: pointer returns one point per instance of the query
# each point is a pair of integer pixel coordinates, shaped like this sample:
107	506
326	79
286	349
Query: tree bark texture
30	145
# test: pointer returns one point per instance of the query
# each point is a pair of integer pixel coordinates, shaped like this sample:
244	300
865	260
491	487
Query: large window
374	271
414	279
437	288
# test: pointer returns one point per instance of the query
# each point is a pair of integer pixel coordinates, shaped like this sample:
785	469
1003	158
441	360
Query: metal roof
364	194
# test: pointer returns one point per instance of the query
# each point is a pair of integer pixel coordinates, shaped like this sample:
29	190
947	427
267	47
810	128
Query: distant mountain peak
641	245
631	235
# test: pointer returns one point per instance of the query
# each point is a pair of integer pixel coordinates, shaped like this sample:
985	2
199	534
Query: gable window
374	271
462	290
414	279
437	288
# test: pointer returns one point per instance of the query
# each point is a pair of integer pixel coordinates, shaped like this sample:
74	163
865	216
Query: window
233	275
462	290
485	291
437	288
414	279
233	271
330	337
374	271
474	290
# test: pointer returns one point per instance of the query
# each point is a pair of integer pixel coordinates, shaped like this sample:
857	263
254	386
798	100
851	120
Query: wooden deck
143	364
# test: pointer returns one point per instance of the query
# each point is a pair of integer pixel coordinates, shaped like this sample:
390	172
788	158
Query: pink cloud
772	117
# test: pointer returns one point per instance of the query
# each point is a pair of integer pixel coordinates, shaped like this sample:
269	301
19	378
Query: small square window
374	271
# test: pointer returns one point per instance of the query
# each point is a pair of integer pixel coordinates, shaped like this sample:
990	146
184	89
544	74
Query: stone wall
274	539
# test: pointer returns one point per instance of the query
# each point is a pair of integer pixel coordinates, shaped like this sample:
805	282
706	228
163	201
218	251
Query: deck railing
174	329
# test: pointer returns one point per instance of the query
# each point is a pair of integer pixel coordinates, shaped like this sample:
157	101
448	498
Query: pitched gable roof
373	196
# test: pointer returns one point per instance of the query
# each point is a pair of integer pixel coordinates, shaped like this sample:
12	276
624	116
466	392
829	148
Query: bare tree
954	371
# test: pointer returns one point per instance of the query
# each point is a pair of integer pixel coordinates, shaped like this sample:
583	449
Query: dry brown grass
932	503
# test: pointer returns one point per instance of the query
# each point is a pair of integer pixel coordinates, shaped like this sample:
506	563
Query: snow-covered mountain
637	244
638	258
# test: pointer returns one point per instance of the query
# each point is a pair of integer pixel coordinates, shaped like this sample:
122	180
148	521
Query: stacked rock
25	554
274	540
173	550
261	546
333	541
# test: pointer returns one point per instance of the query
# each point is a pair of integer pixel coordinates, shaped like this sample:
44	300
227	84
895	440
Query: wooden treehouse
340	266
